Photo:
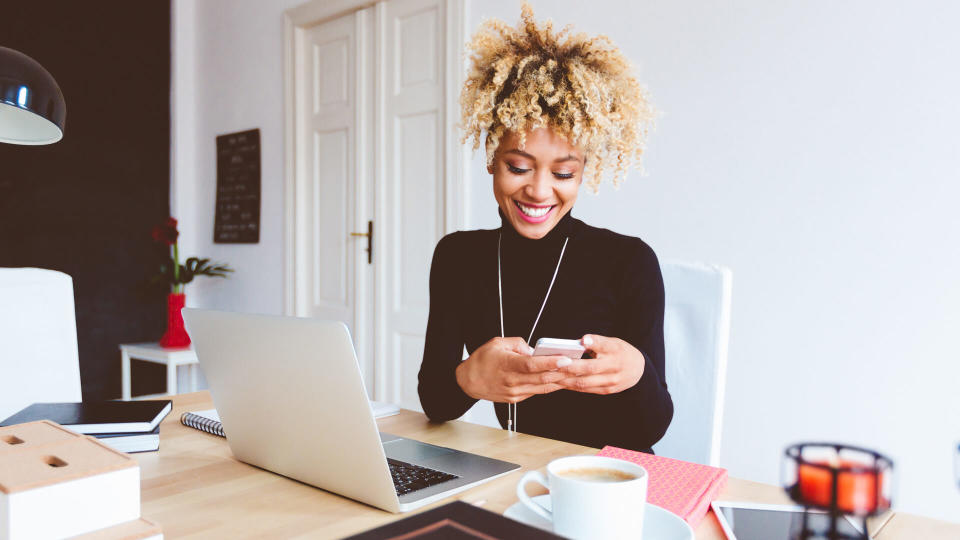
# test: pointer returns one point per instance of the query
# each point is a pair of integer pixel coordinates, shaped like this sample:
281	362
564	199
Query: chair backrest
38	339
696	333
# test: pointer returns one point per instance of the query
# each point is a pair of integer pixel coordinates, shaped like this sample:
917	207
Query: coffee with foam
597	474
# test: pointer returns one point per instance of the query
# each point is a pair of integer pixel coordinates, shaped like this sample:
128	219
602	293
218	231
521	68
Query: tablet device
749	521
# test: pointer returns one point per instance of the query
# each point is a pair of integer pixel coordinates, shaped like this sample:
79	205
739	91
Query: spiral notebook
209	420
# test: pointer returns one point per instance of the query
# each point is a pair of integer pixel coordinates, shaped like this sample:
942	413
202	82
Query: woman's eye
563	176
516	170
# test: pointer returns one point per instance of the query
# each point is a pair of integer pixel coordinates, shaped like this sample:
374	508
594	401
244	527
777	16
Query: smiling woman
537	185
554	111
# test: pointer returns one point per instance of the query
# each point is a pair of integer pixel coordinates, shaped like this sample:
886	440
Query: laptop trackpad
412	451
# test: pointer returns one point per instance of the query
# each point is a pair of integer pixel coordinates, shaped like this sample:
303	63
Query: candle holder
832	481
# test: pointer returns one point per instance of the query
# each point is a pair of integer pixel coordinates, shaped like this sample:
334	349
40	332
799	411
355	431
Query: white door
370	112
331	263
411	190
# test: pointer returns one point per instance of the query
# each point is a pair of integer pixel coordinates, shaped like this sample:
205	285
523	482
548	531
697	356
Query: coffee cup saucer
658	524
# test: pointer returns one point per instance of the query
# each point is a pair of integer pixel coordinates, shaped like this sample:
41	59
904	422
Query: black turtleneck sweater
608	284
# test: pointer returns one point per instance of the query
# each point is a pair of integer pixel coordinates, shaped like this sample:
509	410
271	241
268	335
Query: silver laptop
291	398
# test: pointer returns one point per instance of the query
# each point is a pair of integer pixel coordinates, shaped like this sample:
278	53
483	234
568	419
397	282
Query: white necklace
512	407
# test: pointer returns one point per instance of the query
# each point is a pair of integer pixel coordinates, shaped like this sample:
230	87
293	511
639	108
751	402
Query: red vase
176	335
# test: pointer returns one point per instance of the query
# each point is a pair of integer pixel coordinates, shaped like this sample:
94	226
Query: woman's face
536	186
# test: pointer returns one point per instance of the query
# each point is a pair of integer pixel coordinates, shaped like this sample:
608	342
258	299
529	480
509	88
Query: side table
153	352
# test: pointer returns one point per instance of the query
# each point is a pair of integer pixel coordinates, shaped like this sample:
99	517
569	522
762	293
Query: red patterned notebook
684	488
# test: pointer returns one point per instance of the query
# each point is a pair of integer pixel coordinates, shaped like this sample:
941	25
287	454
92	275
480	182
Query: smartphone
571	348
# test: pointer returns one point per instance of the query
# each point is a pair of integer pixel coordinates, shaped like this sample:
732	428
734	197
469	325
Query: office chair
38	339
696	334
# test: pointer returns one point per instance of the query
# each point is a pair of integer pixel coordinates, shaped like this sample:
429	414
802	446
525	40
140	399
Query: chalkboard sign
237	218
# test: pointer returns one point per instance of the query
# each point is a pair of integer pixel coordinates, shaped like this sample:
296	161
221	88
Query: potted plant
177	276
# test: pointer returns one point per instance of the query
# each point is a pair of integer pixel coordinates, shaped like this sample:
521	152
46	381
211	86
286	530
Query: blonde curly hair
582	88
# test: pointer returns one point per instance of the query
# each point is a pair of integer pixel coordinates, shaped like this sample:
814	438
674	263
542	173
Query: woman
555	109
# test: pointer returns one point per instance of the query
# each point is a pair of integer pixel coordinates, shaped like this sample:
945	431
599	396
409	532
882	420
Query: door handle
369	236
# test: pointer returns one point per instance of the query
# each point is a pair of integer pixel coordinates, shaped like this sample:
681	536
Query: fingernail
587	341
564	362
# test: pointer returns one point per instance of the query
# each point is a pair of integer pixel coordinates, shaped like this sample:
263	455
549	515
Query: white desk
153	352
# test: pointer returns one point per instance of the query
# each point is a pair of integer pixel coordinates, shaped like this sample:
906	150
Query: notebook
684	488
209	420
132	442
94	417
455	520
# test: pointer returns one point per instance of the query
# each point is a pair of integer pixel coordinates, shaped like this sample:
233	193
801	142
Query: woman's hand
616	366
502	371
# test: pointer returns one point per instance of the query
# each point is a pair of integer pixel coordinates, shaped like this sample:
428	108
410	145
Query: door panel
412	187
415	198
329	208
328	198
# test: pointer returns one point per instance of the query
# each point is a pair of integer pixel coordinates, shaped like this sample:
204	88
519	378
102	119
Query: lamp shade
32	110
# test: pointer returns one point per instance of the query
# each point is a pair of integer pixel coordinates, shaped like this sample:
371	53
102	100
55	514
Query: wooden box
55	483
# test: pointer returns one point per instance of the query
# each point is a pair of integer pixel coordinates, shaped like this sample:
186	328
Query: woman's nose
540	186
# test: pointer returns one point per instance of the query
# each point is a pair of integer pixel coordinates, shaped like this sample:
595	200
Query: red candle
856	490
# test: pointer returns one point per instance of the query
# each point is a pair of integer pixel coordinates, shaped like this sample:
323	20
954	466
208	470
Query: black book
132	442
455	521
95	417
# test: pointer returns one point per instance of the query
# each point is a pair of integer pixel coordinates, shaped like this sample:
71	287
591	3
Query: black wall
85	205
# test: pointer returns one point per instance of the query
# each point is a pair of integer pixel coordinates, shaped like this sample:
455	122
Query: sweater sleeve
441	397
640	323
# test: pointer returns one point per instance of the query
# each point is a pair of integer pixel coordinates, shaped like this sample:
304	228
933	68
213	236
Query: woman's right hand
502	370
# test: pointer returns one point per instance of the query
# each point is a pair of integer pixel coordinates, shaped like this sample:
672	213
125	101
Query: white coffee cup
582	506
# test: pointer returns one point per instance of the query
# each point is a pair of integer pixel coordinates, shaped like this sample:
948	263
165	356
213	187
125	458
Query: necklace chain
512	407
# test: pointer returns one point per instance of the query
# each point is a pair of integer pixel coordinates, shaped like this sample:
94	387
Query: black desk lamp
32	110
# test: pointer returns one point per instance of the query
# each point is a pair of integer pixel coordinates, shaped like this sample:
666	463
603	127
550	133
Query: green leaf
191	268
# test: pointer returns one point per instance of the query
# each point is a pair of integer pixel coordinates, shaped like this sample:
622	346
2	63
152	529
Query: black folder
455	520
93	417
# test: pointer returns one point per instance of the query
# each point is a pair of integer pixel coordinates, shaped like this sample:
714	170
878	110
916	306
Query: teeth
533	212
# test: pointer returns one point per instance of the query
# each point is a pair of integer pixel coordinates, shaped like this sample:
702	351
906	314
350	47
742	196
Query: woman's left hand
616	366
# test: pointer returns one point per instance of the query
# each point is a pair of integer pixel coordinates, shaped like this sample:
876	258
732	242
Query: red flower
166	233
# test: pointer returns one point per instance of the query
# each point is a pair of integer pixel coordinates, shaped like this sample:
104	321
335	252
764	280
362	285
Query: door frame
456	154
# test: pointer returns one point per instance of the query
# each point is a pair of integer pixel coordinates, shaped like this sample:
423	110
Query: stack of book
126	426
55	483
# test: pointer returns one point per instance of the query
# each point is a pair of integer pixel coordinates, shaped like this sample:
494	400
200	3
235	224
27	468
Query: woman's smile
533	213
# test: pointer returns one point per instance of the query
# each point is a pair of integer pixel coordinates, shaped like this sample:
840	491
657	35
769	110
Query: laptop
291	398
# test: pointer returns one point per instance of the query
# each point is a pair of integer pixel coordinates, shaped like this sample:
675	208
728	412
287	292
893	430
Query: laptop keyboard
408	478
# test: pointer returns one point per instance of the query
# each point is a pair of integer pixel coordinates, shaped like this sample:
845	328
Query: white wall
811	146
236	56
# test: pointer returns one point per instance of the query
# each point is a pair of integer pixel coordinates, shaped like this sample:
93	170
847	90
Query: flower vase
176	335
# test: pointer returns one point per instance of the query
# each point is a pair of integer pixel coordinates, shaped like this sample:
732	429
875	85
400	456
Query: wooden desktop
194	487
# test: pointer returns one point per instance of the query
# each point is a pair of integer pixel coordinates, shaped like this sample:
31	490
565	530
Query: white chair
38	339
696	334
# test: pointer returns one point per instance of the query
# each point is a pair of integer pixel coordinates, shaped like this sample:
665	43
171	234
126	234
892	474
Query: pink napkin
684	488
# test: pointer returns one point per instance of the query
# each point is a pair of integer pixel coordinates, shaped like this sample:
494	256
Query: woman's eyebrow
568	157
520	153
